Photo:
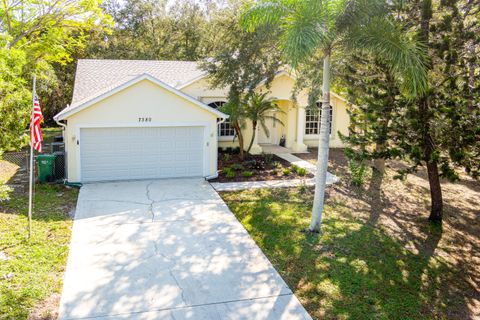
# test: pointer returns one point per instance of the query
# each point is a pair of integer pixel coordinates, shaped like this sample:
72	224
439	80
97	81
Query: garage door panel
140	153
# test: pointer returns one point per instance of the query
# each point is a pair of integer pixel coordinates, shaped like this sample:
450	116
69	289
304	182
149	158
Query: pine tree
441	129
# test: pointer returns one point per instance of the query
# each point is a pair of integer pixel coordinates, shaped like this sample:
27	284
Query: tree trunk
436	211
379	164
254	128
238	130
427	139
432	165
323	148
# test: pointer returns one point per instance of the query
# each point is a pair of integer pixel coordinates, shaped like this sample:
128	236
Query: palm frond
355	12
304	31
275	119
405	56
265	128
265	13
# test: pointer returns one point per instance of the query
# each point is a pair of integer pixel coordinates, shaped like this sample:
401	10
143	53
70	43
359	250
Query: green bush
237	167
357	172
230	175
227	170
301	172
294	167
274	171
226	157
286	172
276	164
268	158
247	174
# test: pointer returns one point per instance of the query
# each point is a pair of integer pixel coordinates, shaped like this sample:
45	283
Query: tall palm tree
310	27
259	109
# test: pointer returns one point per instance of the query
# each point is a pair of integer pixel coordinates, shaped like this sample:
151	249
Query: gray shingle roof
95	76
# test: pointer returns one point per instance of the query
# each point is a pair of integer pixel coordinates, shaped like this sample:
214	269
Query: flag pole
30	191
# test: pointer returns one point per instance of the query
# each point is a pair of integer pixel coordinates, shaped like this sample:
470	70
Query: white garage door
140	153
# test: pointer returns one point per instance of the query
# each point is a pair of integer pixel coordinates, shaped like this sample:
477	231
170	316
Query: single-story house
134	119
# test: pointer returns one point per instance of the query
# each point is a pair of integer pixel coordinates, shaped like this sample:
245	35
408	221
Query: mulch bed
262	167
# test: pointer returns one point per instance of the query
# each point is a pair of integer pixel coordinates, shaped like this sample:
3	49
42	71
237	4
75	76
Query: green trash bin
45	163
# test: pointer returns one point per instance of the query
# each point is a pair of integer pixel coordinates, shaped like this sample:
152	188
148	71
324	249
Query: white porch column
299	146
256	149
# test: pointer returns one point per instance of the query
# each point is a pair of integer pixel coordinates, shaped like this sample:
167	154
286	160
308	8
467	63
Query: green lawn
31	270
353	270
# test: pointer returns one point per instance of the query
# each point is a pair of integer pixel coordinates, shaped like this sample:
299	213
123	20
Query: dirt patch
261	167
47	310
401	209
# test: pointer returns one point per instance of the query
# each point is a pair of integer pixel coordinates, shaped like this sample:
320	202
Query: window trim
216	104
315	135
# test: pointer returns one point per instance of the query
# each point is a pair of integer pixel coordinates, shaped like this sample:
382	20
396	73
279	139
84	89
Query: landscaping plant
258	109
247	174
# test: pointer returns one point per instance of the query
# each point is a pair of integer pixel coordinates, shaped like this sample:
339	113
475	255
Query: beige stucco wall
340	122
143	99
281	90
202	91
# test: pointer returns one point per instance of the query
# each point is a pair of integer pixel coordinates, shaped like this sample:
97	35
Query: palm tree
234	109
312	27
257	109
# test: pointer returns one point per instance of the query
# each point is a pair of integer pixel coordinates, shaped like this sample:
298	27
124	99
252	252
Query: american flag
35	119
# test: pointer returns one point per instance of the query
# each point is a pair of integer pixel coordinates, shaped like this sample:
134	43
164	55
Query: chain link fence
21	159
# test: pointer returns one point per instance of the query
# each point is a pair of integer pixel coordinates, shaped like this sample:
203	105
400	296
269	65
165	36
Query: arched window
312	119
224	129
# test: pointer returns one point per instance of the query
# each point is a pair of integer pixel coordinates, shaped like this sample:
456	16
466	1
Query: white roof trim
191	81
68	112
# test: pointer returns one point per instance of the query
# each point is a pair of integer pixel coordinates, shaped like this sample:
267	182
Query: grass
353	270
31	270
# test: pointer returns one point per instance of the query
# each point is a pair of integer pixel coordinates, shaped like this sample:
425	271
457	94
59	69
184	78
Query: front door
263	138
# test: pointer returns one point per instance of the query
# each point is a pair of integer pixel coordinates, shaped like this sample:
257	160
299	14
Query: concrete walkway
167	249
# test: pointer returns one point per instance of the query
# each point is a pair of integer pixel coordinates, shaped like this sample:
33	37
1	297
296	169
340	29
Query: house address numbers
144	119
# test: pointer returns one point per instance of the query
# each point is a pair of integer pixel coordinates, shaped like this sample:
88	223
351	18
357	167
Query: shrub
357	172
247	174
255	164
301	171
237	167
230	175
226	157
274	171
294	167
276	164
227	170
268	158
286	172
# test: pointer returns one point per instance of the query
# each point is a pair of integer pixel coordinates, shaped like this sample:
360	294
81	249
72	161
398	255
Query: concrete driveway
167	249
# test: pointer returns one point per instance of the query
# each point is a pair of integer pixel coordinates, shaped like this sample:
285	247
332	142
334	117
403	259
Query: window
224	129
312	119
